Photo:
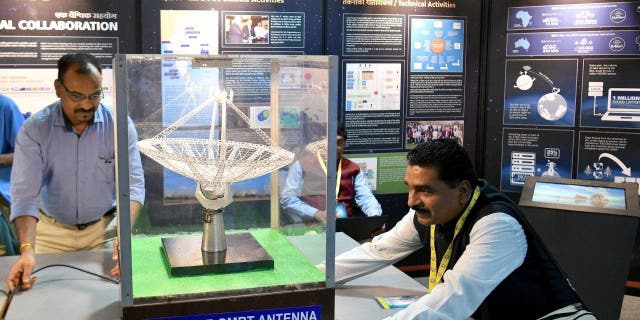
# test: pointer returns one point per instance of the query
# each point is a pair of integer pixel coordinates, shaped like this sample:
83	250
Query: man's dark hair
342	131
83	60
448	157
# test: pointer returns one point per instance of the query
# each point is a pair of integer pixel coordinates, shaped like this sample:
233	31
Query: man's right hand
20	274
321	216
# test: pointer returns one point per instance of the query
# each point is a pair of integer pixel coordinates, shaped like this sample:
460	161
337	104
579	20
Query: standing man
486	260
11	120
234	34
248	34
304	191
63	182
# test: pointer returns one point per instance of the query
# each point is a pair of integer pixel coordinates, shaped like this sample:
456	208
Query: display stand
589	227
222	120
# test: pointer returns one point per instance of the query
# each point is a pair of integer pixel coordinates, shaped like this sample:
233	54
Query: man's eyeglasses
77	97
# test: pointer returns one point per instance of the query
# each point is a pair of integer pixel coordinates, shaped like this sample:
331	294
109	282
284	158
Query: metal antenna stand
213	237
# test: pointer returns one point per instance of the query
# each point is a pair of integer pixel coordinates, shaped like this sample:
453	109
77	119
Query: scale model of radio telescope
319	146
214	163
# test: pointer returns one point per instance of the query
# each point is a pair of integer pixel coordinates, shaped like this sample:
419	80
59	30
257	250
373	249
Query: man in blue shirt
63	178
305	187
11	120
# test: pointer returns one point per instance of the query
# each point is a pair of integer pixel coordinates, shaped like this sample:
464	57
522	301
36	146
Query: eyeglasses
77	97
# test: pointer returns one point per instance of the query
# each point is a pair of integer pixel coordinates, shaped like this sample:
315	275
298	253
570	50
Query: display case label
307	313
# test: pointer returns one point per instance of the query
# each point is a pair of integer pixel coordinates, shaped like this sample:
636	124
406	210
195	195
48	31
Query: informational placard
609	156
309	312
226	27
189	31
32	88
540	92
534	152
384	172
567	67
437	44
571	43
39	32
373	35
436	83
576	15
35	34
610	94
403	61
373	86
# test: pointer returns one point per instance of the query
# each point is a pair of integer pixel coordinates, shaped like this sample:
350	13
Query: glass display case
217	136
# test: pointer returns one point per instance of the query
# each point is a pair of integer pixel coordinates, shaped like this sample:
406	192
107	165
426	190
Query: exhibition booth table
64	293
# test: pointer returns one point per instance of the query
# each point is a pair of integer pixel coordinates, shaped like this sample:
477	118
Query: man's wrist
26	247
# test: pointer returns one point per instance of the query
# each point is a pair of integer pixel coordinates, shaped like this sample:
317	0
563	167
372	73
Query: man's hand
321	216
380	231
115	256
20	274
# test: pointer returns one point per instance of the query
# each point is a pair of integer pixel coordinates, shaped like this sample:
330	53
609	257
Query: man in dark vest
486	260
305	187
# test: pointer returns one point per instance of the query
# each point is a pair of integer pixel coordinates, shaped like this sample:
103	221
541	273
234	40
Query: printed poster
540	92
534	152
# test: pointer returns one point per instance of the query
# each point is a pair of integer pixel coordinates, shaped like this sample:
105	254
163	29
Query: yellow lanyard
435	277
324	168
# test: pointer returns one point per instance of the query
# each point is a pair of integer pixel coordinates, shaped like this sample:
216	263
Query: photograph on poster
534	152
369	167
372	86
609	156
423	131
246	29
32	89
437	44
189	31
540	92
609	99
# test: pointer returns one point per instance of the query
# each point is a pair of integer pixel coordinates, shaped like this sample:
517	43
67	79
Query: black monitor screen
579	195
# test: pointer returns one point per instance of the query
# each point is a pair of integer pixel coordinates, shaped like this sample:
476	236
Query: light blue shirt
290	195
70	177
10	122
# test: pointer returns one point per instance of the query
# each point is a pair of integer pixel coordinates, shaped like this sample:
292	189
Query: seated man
262	30
304	190
487	262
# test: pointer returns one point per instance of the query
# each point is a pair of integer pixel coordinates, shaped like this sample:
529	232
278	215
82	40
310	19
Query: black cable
5	305
7	302
4	292
79	269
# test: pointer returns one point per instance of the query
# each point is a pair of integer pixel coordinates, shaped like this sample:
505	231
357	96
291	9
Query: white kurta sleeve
497	247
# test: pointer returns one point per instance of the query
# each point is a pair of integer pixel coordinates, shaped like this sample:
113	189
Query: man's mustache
420	209
80	110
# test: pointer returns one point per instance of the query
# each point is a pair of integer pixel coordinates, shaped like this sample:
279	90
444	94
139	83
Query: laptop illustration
623	104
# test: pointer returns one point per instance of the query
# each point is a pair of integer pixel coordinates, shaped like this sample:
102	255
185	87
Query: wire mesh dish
215	162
